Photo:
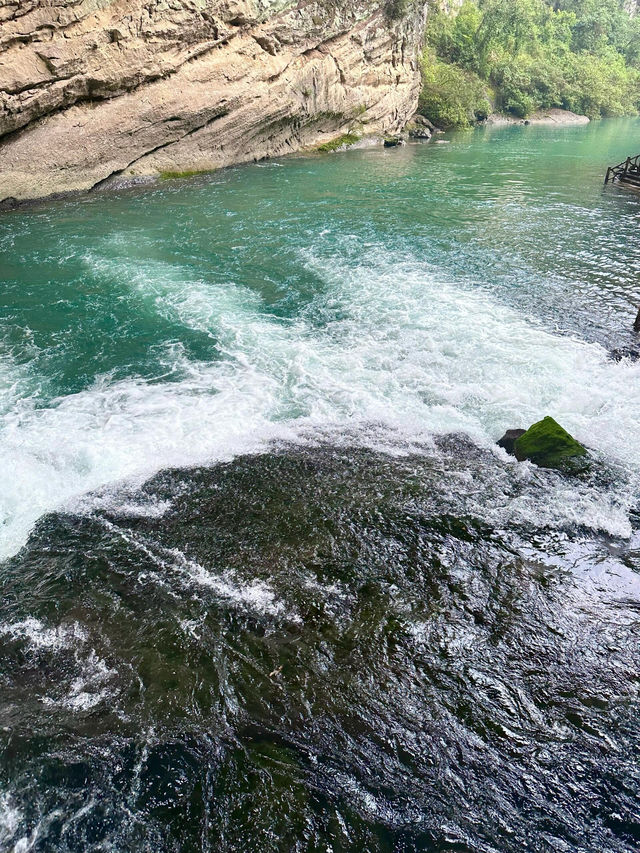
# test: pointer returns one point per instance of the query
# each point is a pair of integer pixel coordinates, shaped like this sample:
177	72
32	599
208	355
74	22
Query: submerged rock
393	141
548	445
632	350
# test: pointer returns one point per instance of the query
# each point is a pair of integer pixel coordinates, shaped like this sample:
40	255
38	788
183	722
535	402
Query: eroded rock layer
96	89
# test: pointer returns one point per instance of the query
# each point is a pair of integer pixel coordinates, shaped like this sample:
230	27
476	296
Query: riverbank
330	144
554	117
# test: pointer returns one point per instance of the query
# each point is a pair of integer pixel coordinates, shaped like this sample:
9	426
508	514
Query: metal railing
631	164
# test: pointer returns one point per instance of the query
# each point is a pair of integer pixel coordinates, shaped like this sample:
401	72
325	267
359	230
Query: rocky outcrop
545	443
420	128
96	89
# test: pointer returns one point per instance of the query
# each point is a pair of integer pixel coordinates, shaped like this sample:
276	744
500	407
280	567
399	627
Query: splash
388	350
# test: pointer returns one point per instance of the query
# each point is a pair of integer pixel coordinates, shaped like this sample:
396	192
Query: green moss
346	140
189	173
547	444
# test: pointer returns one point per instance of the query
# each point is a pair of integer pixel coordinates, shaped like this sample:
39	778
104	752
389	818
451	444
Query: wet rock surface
321	649
508	440
631	352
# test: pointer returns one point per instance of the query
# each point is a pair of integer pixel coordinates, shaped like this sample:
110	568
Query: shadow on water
319	649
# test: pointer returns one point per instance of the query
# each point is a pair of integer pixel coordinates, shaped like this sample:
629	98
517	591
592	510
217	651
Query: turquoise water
268	582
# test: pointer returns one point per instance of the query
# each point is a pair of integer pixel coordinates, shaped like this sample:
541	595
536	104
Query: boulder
419	131
636	324
393	141
548	445
423	121
508	440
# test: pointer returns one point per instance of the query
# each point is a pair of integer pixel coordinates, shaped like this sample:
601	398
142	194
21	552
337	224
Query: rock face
95	89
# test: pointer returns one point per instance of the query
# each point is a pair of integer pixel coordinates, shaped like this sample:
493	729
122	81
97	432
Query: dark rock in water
632	353
418	131
548	445
424	122
636	324
393	141
508	440
420	128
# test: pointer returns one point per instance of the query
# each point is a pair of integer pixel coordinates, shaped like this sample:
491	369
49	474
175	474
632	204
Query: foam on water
39	637
254	595
88	688
11	820
388	350
89	676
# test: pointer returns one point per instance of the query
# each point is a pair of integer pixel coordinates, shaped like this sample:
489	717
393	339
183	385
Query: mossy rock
548	445
341	142
187	173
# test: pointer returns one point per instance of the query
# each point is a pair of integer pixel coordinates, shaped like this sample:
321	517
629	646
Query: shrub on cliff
396	8
452	97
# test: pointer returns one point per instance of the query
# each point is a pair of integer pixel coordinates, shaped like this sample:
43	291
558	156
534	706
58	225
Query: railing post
629	166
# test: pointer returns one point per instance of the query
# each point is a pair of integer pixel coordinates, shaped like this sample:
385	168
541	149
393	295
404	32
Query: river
268	584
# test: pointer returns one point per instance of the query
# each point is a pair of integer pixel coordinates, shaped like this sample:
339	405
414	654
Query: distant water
268	584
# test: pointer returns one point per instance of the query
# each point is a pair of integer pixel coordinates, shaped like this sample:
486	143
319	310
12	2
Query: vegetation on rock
187	173
523	55
547	444
344	141
452	96
397	8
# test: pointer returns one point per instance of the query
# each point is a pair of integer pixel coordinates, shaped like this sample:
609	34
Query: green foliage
582	55
451	96
346	139
397	8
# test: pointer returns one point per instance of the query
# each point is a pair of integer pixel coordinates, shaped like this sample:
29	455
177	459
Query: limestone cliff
92	89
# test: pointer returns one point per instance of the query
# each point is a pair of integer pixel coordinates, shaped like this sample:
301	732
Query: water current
268	584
